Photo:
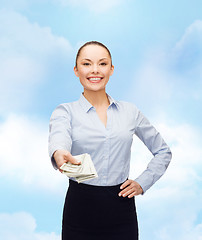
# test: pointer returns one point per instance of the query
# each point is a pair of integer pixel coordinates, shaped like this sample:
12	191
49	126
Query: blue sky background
156	48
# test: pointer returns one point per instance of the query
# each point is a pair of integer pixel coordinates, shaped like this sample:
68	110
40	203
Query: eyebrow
91	61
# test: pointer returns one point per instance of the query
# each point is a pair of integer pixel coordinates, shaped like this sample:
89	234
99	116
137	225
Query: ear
112	70
76	71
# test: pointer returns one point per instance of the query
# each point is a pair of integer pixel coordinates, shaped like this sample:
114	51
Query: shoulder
128	109
128	106
64	109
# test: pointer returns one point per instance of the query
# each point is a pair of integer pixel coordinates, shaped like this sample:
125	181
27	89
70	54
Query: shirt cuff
143	184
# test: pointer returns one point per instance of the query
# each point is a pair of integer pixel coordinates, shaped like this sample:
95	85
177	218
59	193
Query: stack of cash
82	172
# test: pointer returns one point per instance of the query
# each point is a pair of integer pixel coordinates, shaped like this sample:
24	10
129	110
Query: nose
95	68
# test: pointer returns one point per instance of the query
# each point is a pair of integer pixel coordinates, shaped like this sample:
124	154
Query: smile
94	79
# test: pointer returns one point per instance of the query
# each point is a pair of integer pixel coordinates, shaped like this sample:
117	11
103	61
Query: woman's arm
60	137
157	146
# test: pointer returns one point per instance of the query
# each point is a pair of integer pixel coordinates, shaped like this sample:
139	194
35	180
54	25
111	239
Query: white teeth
94	79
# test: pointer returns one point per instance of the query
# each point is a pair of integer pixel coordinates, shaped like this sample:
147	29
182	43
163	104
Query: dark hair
92	43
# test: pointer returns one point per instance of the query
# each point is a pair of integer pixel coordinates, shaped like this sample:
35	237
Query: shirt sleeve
59	132
157	146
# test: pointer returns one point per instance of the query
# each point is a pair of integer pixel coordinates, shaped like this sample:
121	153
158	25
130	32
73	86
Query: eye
86	64
103	64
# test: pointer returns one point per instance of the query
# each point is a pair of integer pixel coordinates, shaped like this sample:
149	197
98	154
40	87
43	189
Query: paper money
82	172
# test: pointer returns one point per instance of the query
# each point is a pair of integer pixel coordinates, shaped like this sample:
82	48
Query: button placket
107	145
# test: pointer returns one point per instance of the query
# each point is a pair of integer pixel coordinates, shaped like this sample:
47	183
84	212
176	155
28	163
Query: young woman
102	208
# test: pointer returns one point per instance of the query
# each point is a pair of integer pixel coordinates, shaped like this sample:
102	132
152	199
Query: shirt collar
87	106
112	101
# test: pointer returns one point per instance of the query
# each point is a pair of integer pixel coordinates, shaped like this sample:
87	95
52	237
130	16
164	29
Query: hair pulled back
92	43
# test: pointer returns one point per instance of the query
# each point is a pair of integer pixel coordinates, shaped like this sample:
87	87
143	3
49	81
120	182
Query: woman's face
94	67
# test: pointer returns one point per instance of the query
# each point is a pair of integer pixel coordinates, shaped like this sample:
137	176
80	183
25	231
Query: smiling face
94	68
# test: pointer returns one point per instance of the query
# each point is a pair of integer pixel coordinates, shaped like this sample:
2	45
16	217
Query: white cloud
24	154
22	226
26	54
192	36
167	75
98	6
187	53
171	208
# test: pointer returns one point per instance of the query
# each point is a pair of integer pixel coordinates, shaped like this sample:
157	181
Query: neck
97	99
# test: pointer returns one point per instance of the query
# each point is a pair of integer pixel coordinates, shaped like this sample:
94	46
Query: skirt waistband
94	188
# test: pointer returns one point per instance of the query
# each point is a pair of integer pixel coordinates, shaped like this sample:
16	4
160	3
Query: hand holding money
82	172
62	156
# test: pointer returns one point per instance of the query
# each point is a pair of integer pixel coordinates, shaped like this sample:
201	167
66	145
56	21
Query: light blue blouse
77	128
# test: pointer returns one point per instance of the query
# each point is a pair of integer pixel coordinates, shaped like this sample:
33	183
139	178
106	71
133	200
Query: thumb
72	160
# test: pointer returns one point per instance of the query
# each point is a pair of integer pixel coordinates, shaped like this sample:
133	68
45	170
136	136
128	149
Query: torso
104	132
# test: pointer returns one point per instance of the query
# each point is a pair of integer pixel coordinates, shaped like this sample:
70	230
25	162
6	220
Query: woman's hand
63	156
130	188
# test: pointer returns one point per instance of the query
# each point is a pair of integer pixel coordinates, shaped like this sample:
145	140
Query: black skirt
98	213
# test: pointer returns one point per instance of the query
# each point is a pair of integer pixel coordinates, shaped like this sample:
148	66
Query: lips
95	79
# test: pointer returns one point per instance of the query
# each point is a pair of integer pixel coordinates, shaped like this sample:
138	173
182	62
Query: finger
128	193
133	194
123	192
137	192
65	160
126	183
